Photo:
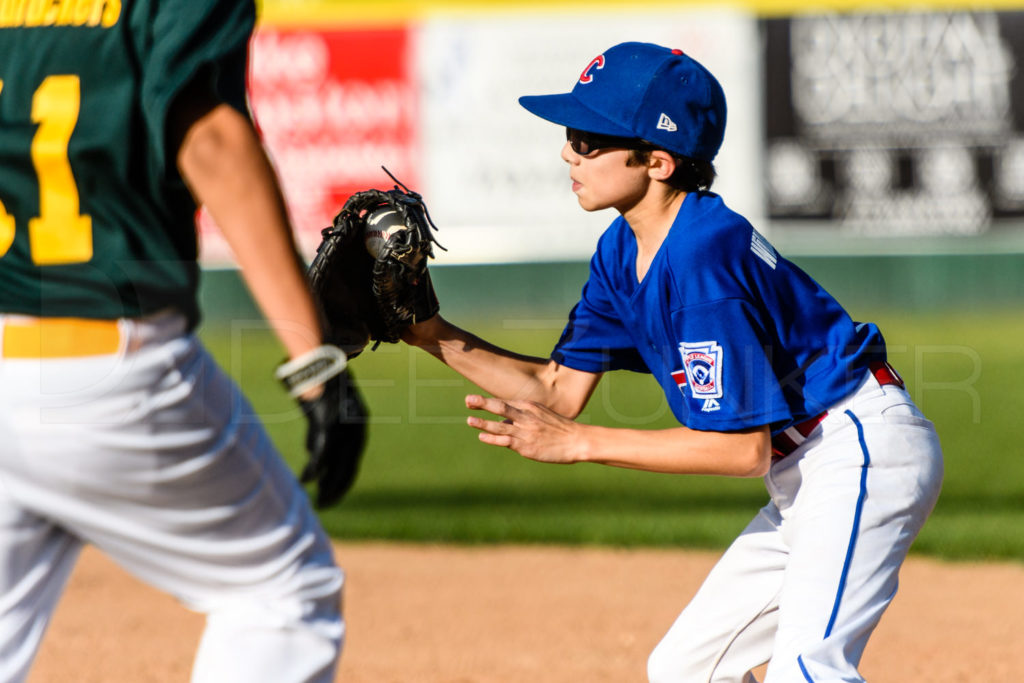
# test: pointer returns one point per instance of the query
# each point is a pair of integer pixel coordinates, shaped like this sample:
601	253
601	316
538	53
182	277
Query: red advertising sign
333	107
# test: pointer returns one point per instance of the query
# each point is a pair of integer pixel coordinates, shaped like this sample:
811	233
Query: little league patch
702	370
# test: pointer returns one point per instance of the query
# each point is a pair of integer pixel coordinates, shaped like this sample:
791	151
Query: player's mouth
576	185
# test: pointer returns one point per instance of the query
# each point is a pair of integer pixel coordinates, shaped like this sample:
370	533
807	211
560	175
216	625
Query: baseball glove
370	274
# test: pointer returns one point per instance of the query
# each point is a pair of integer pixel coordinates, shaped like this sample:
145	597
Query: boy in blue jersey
766	373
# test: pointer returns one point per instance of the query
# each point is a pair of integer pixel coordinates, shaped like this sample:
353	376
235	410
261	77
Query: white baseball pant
150	452
807	581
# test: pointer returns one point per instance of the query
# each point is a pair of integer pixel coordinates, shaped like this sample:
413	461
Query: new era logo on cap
665	123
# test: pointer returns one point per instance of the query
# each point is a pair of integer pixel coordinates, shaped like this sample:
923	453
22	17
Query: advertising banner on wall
493	172
435	101
895	124
847	125
333	107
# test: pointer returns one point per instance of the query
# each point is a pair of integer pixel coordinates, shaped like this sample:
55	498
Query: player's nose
568	155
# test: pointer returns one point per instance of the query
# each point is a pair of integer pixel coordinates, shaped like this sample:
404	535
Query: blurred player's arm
504	373
222	160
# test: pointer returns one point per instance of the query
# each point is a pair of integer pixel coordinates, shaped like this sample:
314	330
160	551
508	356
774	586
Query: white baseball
381	224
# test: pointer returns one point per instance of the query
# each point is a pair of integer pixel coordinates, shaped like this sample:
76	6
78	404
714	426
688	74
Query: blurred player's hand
336	438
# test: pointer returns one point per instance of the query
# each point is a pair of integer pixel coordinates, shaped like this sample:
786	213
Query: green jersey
95	220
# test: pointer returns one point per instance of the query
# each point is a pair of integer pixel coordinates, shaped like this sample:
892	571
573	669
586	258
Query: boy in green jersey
117	427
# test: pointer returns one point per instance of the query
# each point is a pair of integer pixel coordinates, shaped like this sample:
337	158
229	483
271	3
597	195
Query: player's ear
661	165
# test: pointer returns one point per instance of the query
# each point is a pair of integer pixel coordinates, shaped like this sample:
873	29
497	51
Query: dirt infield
433	614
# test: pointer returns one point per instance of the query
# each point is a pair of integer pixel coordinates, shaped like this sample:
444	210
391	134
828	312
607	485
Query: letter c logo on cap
596	63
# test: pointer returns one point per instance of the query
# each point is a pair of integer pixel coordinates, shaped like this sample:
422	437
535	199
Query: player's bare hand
530	429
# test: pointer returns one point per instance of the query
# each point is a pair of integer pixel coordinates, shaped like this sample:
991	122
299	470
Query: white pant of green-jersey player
133	440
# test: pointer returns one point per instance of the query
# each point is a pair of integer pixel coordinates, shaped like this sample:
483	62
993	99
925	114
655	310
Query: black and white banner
895	123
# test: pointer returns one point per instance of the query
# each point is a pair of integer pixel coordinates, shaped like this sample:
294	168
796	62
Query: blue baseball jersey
736	335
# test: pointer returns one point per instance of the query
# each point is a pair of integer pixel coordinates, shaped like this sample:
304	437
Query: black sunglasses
584	143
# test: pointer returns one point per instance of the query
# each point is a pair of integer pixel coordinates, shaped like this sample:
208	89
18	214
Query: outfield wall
879	146
889	128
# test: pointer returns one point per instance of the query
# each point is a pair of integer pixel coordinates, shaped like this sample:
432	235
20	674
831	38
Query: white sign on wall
436	102
492	173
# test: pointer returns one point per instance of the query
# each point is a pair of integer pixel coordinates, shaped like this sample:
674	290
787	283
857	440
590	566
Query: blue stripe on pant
853	536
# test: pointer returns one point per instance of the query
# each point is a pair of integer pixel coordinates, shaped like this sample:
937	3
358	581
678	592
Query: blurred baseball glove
336	417
370	274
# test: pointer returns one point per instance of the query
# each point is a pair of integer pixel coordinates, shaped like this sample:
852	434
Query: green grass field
426	478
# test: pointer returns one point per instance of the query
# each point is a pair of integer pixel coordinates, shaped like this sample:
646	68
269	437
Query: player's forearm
498	371
224	165
678	451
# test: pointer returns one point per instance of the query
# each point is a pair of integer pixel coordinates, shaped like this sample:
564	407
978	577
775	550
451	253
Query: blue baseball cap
642	90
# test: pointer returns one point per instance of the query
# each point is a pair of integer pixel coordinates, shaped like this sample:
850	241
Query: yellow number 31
60	234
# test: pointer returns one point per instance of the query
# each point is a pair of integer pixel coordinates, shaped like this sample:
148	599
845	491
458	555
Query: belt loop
886	374
131	340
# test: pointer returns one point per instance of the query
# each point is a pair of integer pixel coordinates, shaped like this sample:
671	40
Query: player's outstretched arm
538	433
502	372
539	398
